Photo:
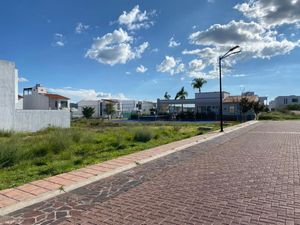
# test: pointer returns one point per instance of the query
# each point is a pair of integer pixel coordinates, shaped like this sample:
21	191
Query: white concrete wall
34	120
23	120
19	104
7	95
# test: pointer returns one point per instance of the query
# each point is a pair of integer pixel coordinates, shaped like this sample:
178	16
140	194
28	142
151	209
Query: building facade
123	108
13	117
208	105
37	97
281	102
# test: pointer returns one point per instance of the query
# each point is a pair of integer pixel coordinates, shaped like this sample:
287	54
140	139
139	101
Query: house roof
55	96
234	99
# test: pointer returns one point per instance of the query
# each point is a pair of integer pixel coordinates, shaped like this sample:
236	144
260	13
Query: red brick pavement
252	179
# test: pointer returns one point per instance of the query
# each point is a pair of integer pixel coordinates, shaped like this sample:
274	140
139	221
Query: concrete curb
194	141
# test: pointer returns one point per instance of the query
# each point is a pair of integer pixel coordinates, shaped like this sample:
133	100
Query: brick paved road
246	177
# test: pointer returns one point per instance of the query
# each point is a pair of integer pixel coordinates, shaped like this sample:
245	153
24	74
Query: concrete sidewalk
17	198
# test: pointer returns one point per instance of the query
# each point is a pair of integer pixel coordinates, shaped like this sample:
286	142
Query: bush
293	107
134	116
88	112
143	135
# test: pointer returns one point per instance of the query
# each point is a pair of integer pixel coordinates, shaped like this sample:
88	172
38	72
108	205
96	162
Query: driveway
250	176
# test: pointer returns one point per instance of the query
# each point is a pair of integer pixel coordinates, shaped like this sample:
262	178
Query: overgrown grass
279	115
25	157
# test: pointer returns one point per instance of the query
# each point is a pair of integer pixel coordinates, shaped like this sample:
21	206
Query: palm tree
198	83
182	94
167	96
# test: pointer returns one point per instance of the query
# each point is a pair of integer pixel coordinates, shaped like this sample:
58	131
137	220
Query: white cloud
170	65
238	75
180	68
85	94
141	69
127	73
173	43
211	1
154	50
58	40
115	48
271	13
136	19
22	79
255	40
80	28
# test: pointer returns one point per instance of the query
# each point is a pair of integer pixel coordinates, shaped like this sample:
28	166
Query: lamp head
234	48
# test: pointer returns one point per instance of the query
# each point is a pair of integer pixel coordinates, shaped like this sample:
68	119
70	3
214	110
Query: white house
99	107
37	97
16	119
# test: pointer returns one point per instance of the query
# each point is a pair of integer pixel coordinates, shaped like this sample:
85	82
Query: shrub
88	112
134	116
293	107
143	135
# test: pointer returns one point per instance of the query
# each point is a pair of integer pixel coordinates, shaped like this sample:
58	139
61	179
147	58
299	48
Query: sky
130	49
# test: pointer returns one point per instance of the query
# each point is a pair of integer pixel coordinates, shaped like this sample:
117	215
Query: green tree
245	106
257	108
167	96
109	109
182	94
88	111
198	83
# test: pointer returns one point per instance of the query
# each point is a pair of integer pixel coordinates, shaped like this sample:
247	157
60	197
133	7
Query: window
64	104
294	100
231	109
285	101
56	104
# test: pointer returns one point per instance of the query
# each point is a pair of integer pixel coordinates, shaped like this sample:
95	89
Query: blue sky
141	49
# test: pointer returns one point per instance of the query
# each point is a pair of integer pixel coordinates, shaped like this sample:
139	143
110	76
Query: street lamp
231	51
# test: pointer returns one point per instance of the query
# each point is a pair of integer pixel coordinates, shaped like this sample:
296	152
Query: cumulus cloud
136	19
271	13
22	80
173	43
85	94
170	65
115	48
80	28
141	69
254	39
59	40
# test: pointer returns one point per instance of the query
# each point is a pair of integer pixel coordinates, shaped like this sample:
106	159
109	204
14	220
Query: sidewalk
17	198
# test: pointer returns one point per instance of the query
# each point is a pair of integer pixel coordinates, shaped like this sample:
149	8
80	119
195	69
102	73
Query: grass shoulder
25	157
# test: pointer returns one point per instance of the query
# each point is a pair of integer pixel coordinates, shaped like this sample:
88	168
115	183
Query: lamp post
227	54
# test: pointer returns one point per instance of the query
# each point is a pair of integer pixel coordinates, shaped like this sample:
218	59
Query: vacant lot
30	156
279	115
